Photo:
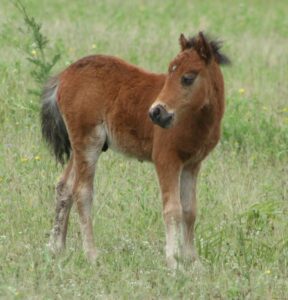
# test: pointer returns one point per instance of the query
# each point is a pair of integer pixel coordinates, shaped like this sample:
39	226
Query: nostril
155	113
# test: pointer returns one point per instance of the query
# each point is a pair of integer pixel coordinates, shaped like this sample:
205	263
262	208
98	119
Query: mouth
166	123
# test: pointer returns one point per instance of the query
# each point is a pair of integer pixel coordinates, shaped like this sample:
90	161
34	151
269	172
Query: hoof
55	244
189	255
91	255
171	262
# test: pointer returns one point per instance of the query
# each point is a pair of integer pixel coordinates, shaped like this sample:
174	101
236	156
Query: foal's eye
188	79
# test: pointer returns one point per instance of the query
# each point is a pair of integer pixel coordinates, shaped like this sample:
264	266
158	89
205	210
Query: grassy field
242	225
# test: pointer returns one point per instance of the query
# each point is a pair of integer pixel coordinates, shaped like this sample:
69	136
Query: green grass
242	225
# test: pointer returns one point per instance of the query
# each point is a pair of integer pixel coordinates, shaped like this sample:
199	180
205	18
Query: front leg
169	171
188	201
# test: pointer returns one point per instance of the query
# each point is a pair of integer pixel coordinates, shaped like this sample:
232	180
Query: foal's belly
129	141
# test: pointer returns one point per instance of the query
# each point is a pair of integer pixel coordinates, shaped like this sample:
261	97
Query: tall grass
241	231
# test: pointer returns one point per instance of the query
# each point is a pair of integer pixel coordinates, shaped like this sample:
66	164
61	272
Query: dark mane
215	45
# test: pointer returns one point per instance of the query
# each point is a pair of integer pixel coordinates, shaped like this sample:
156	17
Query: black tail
54	130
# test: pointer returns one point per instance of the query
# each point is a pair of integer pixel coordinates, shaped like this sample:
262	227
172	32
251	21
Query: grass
241	232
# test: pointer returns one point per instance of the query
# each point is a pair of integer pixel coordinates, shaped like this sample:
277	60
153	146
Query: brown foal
171	119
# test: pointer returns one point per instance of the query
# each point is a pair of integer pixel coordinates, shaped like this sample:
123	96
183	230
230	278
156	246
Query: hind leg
86	154
63	207
83	196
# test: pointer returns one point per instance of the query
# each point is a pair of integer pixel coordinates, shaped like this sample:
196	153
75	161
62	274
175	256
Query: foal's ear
183	42
203	48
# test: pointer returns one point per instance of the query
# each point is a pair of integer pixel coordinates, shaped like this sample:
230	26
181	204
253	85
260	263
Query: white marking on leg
173	233
173	217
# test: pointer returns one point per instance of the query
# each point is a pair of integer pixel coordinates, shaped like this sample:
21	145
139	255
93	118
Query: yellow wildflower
34	52
241	91
24	159
93	46
267	272
37	157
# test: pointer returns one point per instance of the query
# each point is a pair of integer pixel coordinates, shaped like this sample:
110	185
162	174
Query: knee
173	213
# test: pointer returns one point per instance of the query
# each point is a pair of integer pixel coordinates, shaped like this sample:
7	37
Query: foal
171	119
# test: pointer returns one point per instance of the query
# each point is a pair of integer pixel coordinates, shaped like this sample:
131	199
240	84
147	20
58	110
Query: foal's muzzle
160	116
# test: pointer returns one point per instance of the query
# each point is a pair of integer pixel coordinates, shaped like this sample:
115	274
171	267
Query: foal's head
188	81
